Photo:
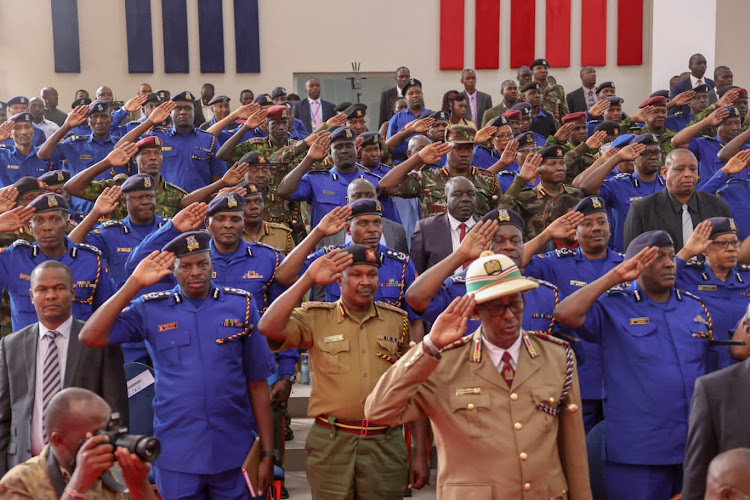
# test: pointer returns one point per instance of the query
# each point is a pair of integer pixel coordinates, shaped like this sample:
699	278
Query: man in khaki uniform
272	234
352	343
504	404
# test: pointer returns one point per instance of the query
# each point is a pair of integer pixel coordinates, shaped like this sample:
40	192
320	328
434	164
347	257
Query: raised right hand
153	268
121	155
451	324
478	240
632	268
76	117
431	153
335	220
328	268
191	217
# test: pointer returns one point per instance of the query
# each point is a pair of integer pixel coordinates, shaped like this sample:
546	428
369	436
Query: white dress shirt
456	232
694	81
37	436
313	114
208	113
496	353
48	127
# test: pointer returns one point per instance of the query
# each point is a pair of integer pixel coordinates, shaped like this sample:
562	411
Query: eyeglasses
500	309
723	245
504	136
651	154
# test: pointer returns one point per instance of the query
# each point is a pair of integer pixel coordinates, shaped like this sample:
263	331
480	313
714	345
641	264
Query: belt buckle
364	429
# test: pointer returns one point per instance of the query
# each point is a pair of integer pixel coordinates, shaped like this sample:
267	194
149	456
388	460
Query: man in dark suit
582	98
313	111
39	360
719	415
678	208
476	102
438	236
388	97
697	67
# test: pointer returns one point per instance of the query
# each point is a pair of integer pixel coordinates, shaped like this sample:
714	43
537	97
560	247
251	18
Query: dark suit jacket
655	212
431	242
99	370
576	101
719	418
303	112
484	102
395	237
387	100
684	85
198	118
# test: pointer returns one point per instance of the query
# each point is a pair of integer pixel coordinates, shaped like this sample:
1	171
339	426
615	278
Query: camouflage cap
460	134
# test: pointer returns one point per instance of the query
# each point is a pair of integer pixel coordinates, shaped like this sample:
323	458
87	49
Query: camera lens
148	449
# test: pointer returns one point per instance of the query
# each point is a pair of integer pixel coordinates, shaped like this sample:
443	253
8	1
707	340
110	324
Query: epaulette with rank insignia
20	243
328	248
276	225
177	187
78	138
695	264
314	304
257	140
542	282
743	267
388	306
615	290
550	338
621	175
258	243
458	343
399	256
90	248
156	295
5	146
565	252
507	172
236	291
688	294
112	223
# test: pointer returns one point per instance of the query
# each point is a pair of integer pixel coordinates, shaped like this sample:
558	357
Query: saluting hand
191	217
335	220
509	153
108	200
328	268
337	119
76	117
161	113
563	133
478	240
599	107
485	134
728	98
682	98
596	140
451	324
121	155
5	129
530	168
632	268
135	103
699	240
14	219
631	152
153	268
564	226
235	174
419	126
431	153
642	114
246	110
319	149
256	118
715	118
737	163
8	197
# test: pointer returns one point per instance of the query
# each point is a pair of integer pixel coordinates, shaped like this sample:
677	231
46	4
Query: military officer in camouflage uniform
553	95
653	114
529	203
257	229
148	157
429	184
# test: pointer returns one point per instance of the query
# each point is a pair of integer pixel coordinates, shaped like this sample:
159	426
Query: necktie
316	113
700	82
50	374
462	232
473	102
590	97
687	225
506	370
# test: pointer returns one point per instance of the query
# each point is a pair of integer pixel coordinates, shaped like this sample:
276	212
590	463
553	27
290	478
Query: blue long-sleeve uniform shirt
14	165
396	123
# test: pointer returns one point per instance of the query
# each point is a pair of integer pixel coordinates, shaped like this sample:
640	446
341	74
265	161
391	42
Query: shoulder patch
90	248
112	223
176	188
276	225
549	338
399	256
156	295
465	340
236	291
565	252
385	305
20	243
314	304
743	267
695	264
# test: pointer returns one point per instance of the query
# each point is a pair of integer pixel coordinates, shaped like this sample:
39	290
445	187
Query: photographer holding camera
79	462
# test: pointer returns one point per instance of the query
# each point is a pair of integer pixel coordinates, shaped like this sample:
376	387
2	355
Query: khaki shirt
30	480
274	235
482	426
347	355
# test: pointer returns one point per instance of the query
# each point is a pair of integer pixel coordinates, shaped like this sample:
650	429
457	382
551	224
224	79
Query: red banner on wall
557	46
487	34
451	34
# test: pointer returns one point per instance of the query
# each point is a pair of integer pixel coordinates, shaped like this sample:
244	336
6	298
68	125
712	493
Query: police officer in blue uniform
211	368
20	158
654	341
83	128
3	111
620	191
415	109
152	102
325	190
570	270
93	284
720	281
20	104
485	157
526	121
699	102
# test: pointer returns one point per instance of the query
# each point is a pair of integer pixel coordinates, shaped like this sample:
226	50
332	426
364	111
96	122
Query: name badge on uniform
707	288
578	283
168	326
24	276
213	275
334	338
634	198
124	249
166	148
84	157
13	167
329	192
468	390
639	321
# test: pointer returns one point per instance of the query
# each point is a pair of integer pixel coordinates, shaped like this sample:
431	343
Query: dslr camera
147	448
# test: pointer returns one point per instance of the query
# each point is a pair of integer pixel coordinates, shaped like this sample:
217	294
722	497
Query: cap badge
370	255
51	200
732	225
493	267
348	134
146	182
503	215
188	96
261	159
231	201
359	113
60	175
192	243
595	202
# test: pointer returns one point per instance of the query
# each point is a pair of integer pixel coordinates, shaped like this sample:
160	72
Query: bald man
729	475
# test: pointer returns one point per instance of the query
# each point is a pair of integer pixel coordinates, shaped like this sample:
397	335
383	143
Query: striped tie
50	374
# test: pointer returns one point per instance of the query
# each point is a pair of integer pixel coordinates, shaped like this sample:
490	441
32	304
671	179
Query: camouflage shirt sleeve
239	151
411	186
93	190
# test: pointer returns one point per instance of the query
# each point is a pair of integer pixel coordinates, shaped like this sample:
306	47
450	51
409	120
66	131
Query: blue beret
55	177
278	92
647	139
369	138
189	243
99	106
81	101
3	106
138	182
523	107
263	100
604	85
49	201
184	97
19	99
227	202
658	238
440	115
363	255
721	225
28	184
343	134
614	100
219	99
660	93
622	140
356	110
21	117
499	121
611	128
152	98
505	217
552	152
164	95
526	139
411	82
539	62
701	89
590	205
365	206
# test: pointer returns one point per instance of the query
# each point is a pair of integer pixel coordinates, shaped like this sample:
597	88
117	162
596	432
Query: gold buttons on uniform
513	396
551	399
523	456
527	487
572	408
517	426
470	406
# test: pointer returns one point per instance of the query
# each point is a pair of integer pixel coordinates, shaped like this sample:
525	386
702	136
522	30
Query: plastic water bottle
305	370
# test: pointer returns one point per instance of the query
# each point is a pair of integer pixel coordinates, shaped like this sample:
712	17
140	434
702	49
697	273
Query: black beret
54	177
153	97
523	107
721	225
19	99
701	89
614	100
611	128
340	107
28	184
552	152
138	182
411	82
660	93
227	202
363	255
278	92
184	97
531	86
99	106
365	206
219	99
48	202
647	139
356	110
499	121
189	243
3	106
251	187
164	95
658	238
505	217
342	134
539	62
440	115
21	117
81	101
526	139
370	138
590	205
263	100
254	158
604	85
292	97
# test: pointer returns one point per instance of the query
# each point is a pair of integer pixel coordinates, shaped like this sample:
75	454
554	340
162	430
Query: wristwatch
272	453
290	378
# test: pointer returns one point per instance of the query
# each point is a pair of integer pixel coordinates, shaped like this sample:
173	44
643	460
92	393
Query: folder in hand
250	467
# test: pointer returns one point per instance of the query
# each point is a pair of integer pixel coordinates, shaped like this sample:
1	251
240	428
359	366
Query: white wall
297	36
731	35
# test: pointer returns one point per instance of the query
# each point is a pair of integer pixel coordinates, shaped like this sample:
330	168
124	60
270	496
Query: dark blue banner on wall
174	23
65	36
211	36
140	42
247	36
